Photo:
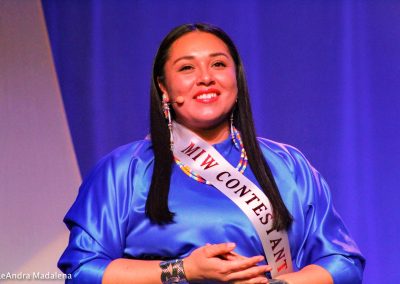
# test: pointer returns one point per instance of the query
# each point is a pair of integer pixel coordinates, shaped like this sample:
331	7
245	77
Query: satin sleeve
98	219
325	241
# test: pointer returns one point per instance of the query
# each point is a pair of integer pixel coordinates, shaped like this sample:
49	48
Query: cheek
227	80
179	85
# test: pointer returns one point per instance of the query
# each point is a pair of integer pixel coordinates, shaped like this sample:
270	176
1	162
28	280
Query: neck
213	135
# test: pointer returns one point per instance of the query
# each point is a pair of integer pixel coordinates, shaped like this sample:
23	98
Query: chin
209	123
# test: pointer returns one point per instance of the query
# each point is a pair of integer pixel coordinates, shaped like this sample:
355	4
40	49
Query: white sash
207	162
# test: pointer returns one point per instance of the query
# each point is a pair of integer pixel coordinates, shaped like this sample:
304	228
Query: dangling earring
167	115
231	124
232	127
233	131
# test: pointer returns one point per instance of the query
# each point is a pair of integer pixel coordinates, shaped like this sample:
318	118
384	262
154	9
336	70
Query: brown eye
219	64
186	68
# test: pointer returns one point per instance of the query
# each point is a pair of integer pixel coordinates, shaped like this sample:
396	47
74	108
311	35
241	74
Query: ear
162	87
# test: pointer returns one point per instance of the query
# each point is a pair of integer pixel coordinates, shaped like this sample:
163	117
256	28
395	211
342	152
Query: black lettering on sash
252	199
223	173
189	149
199	154
259	209
235	182
280	254
275	243
272	229
268	216
243	190
208	162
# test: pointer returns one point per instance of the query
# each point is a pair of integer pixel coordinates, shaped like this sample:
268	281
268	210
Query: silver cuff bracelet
172	272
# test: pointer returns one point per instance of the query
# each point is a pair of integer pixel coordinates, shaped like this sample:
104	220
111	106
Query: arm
320	242
327	254
204	263
132	271
97	221
310	274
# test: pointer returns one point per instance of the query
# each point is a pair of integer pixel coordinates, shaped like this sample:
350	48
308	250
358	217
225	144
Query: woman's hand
219	262
260	279
309	274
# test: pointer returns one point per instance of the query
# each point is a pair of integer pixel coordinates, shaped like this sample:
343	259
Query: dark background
324	76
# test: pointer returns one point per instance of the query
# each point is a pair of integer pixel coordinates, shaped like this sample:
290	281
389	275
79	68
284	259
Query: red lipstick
207	96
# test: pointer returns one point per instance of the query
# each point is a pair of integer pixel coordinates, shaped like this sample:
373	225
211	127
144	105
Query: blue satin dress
107	221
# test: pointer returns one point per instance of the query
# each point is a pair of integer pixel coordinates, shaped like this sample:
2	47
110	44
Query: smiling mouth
206	97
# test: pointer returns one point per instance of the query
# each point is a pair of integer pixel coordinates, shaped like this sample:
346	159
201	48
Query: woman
160	211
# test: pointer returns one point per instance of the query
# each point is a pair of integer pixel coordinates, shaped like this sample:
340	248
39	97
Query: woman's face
200	69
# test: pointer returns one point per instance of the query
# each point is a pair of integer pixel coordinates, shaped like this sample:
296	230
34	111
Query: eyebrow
189	57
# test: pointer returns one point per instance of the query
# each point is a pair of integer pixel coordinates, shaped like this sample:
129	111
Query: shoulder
111	178
293	173
125	154
137	150
121	162
290	167
283	154
108	187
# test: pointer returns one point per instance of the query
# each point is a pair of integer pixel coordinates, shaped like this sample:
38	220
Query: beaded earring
232	130
167	115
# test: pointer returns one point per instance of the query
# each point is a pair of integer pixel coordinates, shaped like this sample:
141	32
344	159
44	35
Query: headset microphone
179	100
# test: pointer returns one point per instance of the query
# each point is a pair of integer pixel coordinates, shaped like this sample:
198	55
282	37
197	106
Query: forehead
197	42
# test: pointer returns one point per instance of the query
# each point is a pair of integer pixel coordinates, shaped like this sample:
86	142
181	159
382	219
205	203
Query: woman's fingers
243	263
247	266
255	280
232	256
218	249
206	262
220	262
253	274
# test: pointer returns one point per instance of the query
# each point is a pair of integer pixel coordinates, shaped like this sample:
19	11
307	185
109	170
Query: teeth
206	96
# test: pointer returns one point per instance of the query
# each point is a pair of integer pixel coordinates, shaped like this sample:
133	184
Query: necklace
241	166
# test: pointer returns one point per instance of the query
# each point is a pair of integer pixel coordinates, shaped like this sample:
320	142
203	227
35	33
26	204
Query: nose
205	77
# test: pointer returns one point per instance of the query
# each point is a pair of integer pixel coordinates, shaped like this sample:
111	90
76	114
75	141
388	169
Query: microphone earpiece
179	100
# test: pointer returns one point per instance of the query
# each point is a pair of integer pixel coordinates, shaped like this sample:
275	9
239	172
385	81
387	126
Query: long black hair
157	201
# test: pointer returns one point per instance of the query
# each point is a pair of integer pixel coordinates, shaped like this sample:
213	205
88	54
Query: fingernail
230	245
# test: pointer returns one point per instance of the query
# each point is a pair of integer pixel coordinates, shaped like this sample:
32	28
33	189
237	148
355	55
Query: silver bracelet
172	272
